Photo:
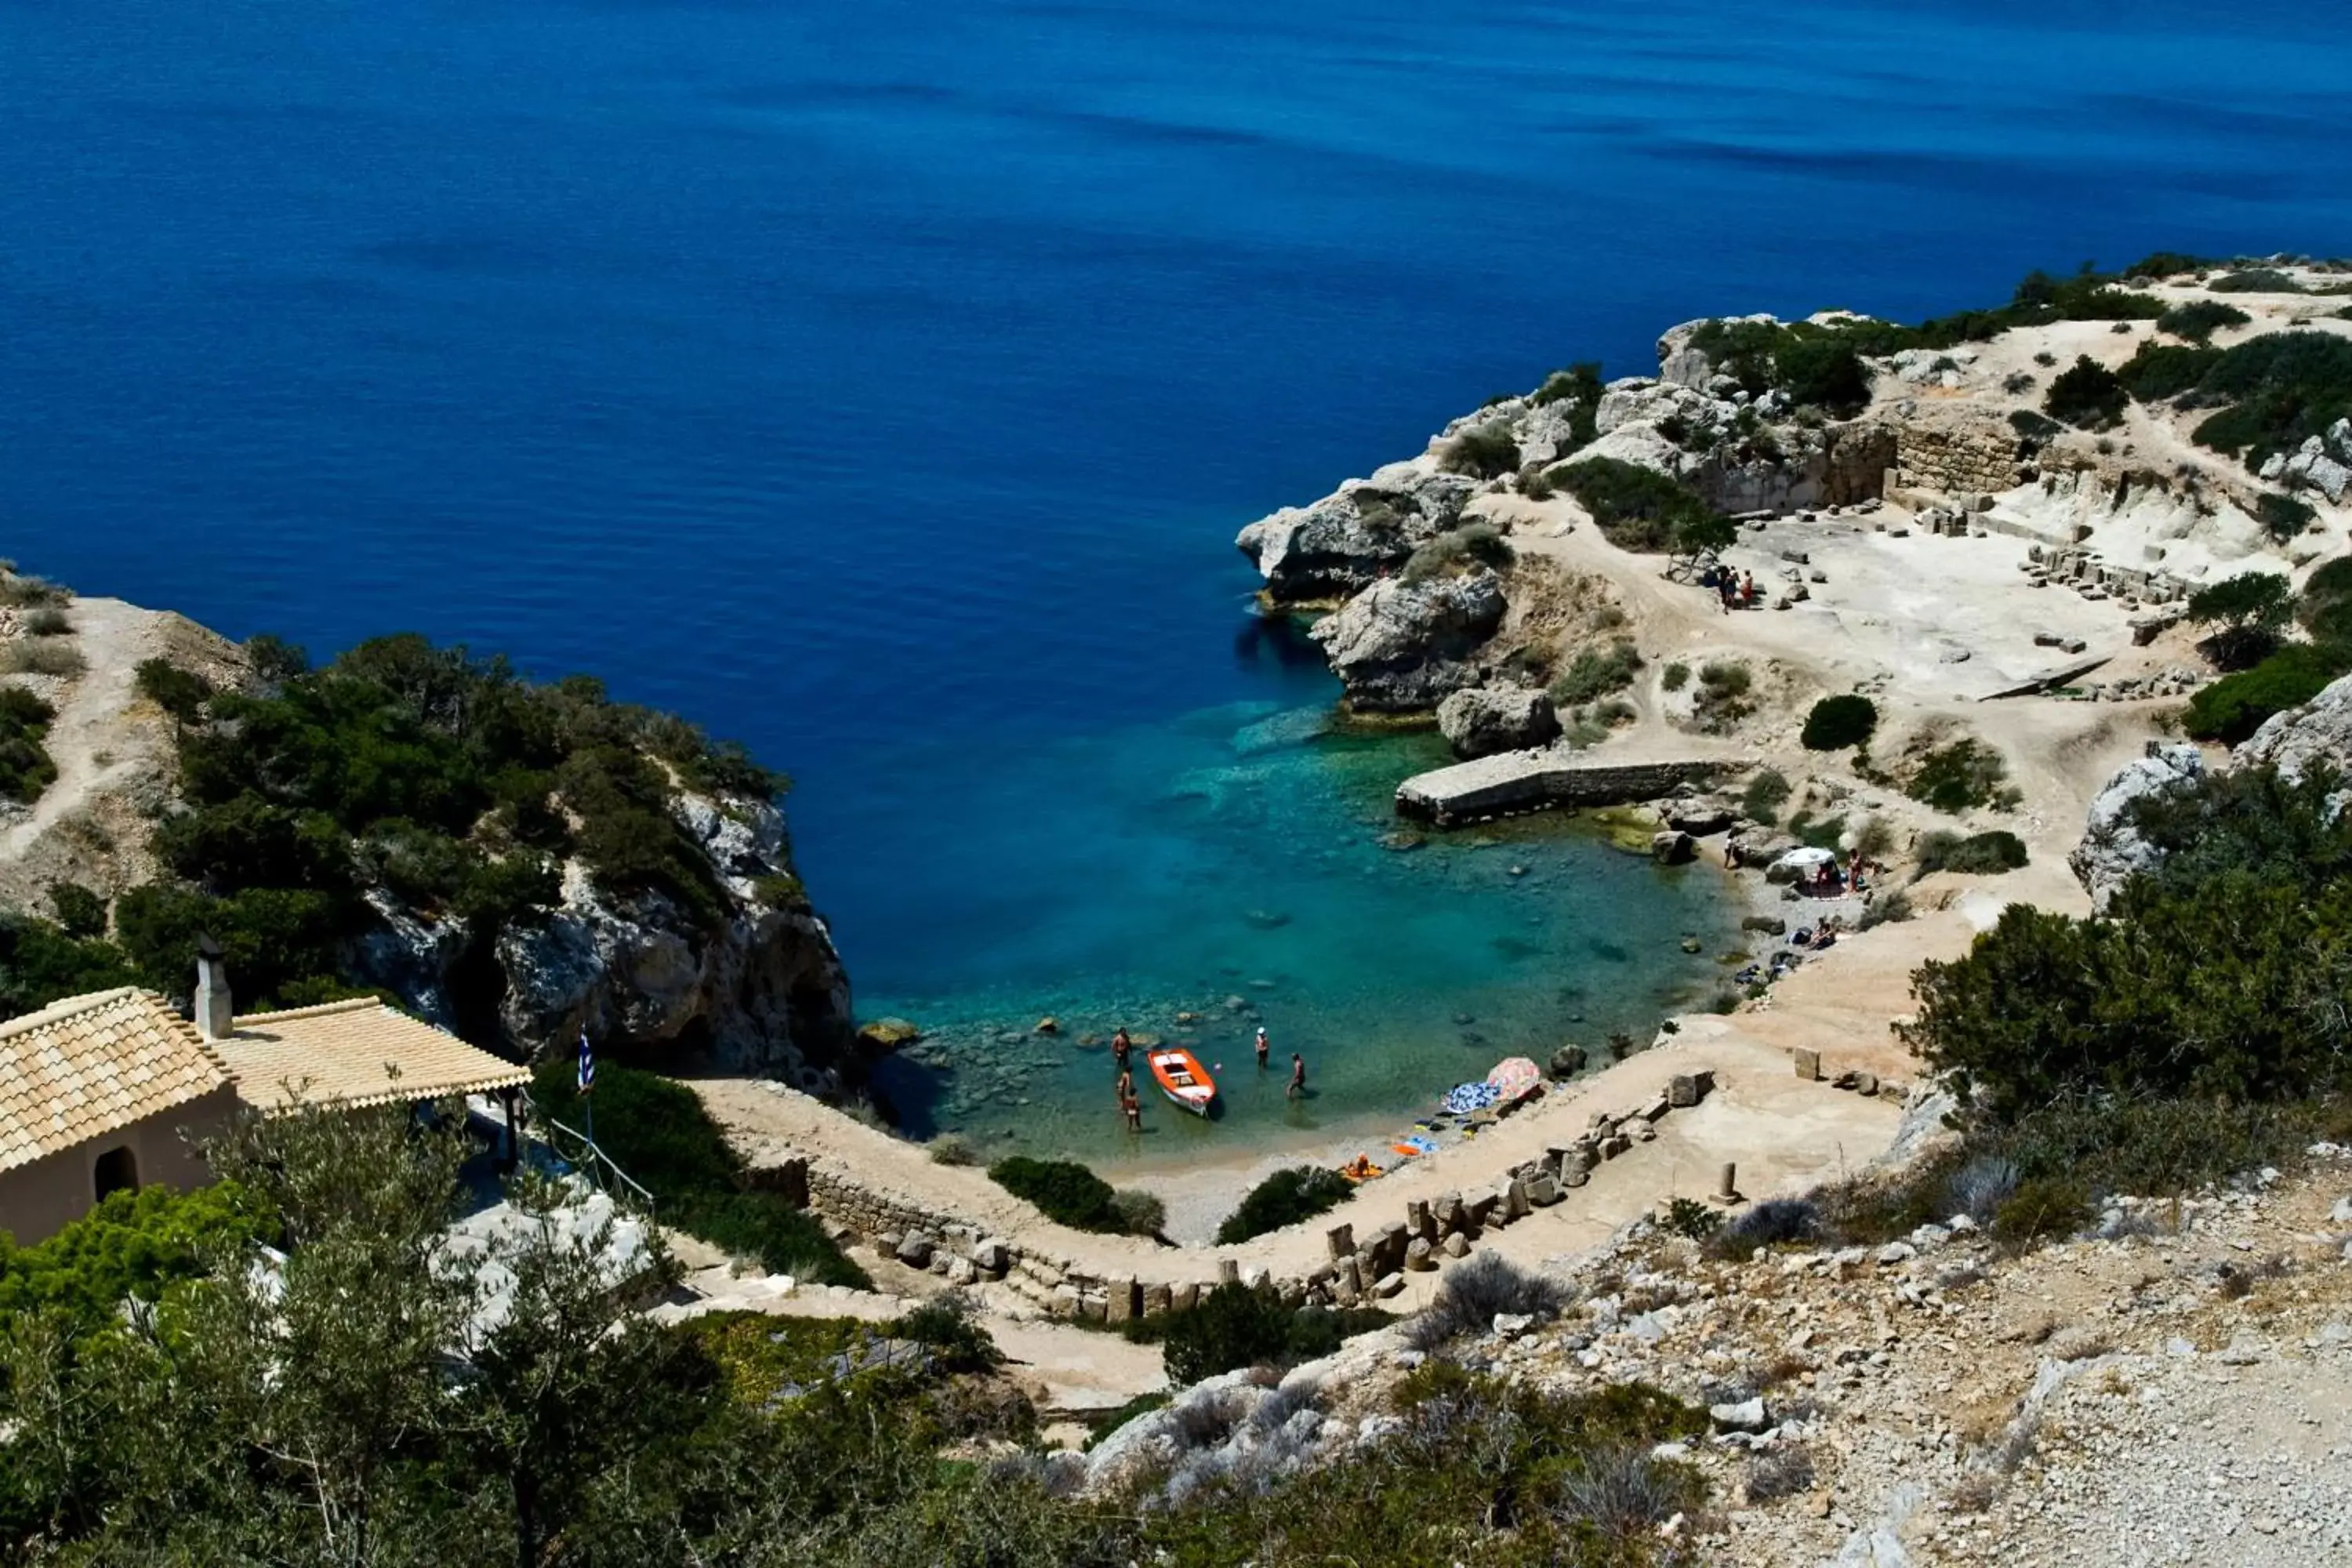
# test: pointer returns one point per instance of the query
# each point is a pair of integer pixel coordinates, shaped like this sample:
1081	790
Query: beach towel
1466	1098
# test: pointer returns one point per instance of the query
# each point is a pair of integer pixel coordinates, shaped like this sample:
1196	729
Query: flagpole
587	1090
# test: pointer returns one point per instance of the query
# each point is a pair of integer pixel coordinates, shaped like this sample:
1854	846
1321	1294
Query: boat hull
1184	1081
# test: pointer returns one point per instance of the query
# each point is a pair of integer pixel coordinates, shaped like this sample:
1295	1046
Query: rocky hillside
516	862
2151	432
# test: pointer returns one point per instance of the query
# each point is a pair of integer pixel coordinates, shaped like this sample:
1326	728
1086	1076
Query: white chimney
214	1016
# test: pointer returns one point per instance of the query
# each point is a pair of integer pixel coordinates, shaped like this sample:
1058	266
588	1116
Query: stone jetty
1536	780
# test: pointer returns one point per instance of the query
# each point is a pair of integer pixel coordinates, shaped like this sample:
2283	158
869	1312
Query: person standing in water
1120	1046
1262	1047
1297	1075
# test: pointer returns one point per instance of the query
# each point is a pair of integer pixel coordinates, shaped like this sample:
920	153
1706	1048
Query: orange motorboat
1184	1079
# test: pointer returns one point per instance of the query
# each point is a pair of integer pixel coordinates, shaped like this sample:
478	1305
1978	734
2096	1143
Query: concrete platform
1536	780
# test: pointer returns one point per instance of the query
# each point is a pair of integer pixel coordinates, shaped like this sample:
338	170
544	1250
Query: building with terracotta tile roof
113	1090
353	1054
99	1092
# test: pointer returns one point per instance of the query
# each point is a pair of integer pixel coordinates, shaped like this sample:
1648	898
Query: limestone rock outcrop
1481	721
760	986
2112	851
1401	646
2319	732
1343	543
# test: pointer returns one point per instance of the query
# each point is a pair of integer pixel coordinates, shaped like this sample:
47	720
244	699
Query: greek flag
587	1063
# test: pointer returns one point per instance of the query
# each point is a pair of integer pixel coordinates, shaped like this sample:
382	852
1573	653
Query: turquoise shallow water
1242	865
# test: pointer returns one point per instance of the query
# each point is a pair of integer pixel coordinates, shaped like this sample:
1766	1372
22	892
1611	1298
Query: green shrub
2164	264
1635	508
1823	373
2250	609
2283	517
25	766
2017	384
1139	1213
953	1149
1595	672
178	692
1286	1197
1824	833
658	1132
1063	1190
1766	794
2255	280
1723	698
45	622
1690	1218
79	911
1837	722
2198	320
2042	1209
2233	708
1980	854
2088	395
1581	383
42	656
1676	676
2327	588
1236	1326
1458	551
2032	427
1483	451
2274	392
19	591
134	1244
1960	776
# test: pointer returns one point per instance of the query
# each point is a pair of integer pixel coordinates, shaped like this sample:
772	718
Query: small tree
2249	609
2088	395
1837	722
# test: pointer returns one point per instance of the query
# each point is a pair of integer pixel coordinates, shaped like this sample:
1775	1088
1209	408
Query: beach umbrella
1805	861
1464	1098
1514	1076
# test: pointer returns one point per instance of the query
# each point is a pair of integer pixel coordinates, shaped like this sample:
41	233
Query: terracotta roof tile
356	1053
87	1065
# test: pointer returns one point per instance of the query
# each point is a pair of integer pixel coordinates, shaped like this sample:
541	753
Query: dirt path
113	751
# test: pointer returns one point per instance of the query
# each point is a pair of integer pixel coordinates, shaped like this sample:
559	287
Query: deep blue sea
883	385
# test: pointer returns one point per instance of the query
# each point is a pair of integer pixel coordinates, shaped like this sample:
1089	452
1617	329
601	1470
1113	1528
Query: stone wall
1958	456
1366	1258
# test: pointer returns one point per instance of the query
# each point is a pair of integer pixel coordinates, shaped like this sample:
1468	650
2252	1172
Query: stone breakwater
1361	1260
1536	780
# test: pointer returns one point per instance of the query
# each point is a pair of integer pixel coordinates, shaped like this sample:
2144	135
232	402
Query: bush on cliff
656	1130
2255	280
26	769
1286	1197
2249	610
1063	1190
1459	551
1595	672
2233	708
1981	854
1634	508
1962	775
1482	451
1836	722
2087	396
1237	1326
2198	320
2283	517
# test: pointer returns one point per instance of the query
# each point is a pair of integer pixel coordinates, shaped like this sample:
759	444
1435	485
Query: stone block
1808	1063
1290	1292
1681	1090
1448	1212
1417	1256
1390	1247
1652	1110
1228	1271
1475	1208
1543	1192
1514	1199
1063	1302
1389	1285
1644	1132
1417	1222
1183	1296
1339	1241
1574	1178
1252	1277
1123	1300
915	1249
1156	1300
1614	1145
960	1272
1344	1291
1457	1245
991	1256
1094	1306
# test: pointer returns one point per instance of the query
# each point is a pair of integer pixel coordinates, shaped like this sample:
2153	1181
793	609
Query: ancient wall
1366	1256
1959	455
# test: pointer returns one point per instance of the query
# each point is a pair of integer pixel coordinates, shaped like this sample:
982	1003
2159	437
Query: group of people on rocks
1130	1104
1736	589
